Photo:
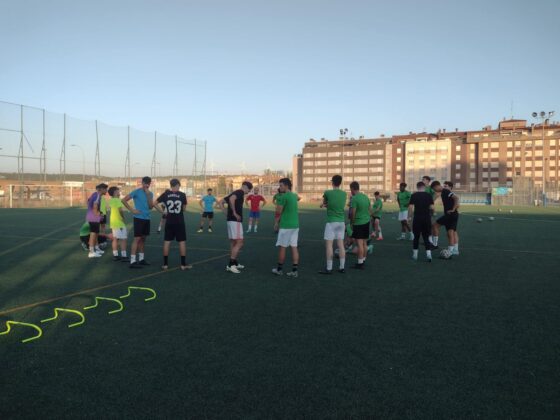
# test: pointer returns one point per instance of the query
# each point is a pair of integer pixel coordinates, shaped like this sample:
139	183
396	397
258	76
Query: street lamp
544	117
343	132
83	161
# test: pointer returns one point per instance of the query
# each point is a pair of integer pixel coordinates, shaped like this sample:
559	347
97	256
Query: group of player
352	232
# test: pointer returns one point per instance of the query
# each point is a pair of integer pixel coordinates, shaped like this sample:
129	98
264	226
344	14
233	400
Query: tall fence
38	145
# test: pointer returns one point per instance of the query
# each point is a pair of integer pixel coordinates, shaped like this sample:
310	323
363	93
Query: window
473	174
485	164
538	173
509	144
538	152
321	171
457	185
509	174
320	162
517	164
360	162
377	161
495	164
398	168
509	154
457	157
538	143
307	155
323	154
528	144
398	159
529	163
308	171
495	155
485	155
509	184
399	150
457	175
334	154
308	163
528	173
494	145
529	153
457	148
361	153
458	166
348	154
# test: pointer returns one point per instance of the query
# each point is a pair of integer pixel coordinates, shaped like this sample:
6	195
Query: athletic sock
329	264
183	260
132	259
123	254
435	240
415	253
431	239
380	234
165	260
254	230
91	249
115	253
294	268
342	263
429	254
279	268
140	256
361	260
403	235
450	248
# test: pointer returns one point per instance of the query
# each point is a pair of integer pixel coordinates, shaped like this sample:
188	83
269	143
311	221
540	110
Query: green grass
474	337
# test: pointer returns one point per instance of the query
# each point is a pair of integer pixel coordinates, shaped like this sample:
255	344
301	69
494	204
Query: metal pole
153	169
20	152
195	159
43	161
97	160
127	165
62	161
71	196
11	196
204	172
544	167
176	163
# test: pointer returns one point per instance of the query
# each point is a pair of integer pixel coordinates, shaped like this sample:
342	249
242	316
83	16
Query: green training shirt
361	204
377	209
84	230
404	199
336	201
289	218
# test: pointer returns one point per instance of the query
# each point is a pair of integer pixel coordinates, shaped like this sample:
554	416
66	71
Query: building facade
473	160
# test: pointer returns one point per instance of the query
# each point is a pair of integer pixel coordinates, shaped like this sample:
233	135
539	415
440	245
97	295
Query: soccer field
473	337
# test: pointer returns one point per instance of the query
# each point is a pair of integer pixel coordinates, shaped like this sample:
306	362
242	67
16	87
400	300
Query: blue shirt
141	203
208	201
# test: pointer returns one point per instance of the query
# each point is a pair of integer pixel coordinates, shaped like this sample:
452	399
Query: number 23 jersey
175	203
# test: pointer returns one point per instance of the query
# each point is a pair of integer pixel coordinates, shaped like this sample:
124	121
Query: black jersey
239	195
175	203
447	199
422	202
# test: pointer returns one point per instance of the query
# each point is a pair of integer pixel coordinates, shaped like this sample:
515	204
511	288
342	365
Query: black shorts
94	227
103	220
141	227
449	221
360	231
208	215
164	216
175	232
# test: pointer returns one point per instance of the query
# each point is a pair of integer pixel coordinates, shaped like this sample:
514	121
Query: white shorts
235	230
403	215
120	233
287	237
334	230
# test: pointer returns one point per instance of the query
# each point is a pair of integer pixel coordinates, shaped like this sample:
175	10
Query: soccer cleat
401	238
255	229
379	238
164	267
85	247
232	269
125	259
370	249
159	231
240	267
186	267
455	252
201	231
293	274
429	259
415	257
99	251
210	230
325	271
94	255
135	264
341	270
143	262
358	266
277	272
116	258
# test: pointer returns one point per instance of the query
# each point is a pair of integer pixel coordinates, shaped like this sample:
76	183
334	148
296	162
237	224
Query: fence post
71	196
11	195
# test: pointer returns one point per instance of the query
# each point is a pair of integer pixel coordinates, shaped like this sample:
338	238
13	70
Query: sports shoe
125	259
94	255
240	267
85	247
248	231
233	269
159	231
277	272
293	274
201	230
325	271
415	257
370	249
455	252
341	270
186	267
210	230
143	262
255	230
401	238
358	266
379	238
135	264
99	251
116	258
164	267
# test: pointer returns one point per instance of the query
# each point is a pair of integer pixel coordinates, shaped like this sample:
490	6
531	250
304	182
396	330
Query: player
162	219
117	225
450	216
85	233
173	202
207	205
422	206
93	217
255	201
103	210
403	198
234	217
143	203
360	218
275	197
287	224
427	182
376	212
335	201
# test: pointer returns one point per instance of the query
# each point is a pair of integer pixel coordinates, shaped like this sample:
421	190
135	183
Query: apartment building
473	160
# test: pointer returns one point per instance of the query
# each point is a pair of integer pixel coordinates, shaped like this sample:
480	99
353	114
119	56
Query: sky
256	79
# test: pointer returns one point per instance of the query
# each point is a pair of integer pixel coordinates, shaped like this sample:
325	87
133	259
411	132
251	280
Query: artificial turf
474	337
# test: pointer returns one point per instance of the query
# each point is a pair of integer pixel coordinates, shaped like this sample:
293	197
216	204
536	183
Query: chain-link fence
38	145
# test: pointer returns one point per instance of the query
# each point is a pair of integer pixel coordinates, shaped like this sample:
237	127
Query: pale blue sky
258	78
